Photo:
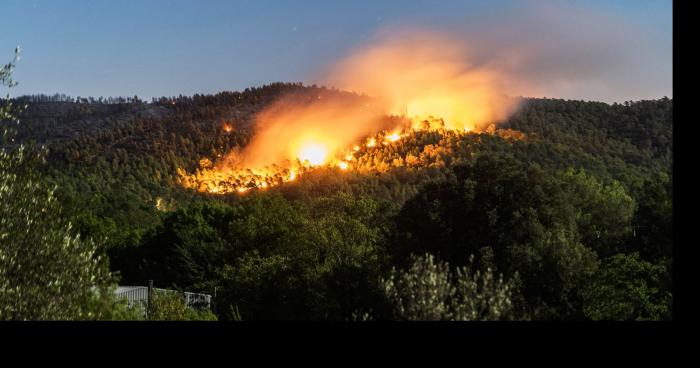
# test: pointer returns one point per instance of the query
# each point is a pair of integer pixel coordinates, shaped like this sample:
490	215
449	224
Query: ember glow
426	79
393	137
313	153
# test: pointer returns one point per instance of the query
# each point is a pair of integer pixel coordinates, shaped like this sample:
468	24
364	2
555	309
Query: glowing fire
393	137
222	180
314	153
428	81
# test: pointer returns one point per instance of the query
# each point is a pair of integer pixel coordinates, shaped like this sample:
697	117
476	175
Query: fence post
213	301
150	297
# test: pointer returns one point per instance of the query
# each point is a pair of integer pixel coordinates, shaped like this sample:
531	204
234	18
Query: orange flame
424	77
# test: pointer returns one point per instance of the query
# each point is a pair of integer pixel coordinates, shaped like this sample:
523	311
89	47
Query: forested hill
565	198
638	133
179	131
49	122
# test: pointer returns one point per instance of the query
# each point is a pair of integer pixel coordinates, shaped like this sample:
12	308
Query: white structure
139	295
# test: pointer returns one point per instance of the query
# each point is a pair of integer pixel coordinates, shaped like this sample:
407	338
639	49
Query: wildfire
393	137
221	180
421	74
428	81
313	153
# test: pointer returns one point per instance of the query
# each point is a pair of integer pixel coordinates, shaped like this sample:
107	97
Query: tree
429	291
268	288
603	212
521	213
45	271
6	109
627	288
654	219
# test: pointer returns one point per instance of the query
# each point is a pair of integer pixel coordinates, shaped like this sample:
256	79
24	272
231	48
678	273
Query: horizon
305	85
620	51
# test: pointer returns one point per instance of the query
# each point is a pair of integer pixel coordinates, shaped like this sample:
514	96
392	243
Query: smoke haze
468	75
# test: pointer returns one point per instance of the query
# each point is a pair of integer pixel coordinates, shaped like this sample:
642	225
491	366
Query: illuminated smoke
421	74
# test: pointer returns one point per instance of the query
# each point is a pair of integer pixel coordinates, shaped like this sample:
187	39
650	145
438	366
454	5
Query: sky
172	47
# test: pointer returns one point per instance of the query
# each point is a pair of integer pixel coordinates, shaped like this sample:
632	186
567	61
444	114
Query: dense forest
563	211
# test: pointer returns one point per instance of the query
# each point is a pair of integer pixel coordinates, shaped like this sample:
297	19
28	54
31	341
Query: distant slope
130	153
49	122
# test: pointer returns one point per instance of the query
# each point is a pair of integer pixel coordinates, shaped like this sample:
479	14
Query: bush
429	291
169	306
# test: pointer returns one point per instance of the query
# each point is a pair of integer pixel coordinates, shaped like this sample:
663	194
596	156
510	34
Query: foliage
6	109
627	288
522	214
169	306
653	233
46	272
111	308
429	291
603	212
559	186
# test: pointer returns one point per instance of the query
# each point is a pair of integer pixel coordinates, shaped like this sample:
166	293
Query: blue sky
170	47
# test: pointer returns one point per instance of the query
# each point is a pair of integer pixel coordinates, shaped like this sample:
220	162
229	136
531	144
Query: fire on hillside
426	80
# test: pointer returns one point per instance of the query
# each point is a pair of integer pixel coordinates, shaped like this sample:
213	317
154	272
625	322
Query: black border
534	340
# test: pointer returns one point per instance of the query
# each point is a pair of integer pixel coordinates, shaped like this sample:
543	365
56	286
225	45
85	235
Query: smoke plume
468	76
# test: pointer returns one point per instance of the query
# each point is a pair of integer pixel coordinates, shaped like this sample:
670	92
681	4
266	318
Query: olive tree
429	291
46	272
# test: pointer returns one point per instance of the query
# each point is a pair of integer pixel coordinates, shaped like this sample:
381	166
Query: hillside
552	195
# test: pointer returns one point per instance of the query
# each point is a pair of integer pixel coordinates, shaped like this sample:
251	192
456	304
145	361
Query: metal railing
139	295
133	294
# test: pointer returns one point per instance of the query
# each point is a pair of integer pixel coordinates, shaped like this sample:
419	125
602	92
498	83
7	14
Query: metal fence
195	300
138	295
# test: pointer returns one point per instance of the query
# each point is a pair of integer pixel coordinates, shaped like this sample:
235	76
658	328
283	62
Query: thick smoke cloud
422	73
553	49
468	74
